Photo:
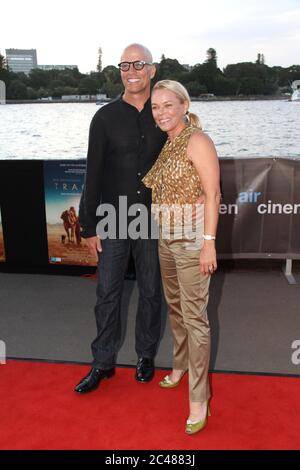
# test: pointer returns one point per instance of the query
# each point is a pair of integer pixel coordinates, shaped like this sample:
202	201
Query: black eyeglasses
137	64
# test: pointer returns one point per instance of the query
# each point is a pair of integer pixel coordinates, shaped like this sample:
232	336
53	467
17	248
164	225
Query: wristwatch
209	237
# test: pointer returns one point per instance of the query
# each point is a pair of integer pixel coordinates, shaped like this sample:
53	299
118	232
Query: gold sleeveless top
173	178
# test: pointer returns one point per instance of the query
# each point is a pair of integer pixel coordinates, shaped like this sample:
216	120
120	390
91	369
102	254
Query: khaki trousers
186	291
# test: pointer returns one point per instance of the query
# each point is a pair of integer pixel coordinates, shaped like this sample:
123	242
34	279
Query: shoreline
243	98
206	99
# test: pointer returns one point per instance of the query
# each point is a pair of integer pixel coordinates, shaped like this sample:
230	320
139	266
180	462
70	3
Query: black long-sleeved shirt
123	145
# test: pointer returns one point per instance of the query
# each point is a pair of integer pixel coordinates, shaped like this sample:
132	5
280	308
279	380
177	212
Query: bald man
123	145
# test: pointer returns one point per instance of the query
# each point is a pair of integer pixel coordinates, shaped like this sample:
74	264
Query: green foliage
287	75
32	94
246	78
111	74
226	86
42	93
195	89
112	84
99	64
88	86
58	91
17	90
253	78
169	69
2	62
5	76
112	90
211	56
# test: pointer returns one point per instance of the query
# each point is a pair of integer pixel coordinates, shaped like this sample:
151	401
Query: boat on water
103	102
296	91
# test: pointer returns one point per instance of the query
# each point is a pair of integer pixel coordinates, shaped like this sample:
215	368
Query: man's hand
94	246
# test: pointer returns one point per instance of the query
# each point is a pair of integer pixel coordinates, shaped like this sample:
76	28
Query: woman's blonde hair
182	94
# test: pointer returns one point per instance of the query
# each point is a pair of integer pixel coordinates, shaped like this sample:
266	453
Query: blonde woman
186	172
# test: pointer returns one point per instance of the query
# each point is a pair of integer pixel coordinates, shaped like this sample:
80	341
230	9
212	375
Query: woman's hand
208	257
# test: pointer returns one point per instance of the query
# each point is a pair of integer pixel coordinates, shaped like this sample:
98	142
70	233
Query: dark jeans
112	267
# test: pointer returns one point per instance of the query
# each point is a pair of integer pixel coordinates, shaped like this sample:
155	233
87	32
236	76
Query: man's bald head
138	48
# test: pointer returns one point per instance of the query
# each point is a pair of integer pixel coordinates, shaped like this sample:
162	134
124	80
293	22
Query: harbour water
238	128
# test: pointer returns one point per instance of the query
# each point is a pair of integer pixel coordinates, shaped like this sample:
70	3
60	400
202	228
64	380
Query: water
238	129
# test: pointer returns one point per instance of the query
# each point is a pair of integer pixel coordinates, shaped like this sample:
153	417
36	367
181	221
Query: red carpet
39	410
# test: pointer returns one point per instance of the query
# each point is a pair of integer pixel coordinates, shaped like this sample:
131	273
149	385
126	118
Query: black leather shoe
144	369
93	379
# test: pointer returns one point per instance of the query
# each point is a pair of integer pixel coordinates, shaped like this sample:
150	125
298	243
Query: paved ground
254	315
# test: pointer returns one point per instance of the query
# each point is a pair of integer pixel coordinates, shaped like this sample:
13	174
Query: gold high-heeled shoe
167	382
192	428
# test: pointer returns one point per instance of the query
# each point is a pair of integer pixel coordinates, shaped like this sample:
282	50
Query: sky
70	32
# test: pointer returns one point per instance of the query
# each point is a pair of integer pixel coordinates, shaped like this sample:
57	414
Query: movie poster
63	186
2	251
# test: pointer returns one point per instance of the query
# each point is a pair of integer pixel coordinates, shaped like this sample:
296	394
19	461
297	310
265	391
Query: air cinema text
251	197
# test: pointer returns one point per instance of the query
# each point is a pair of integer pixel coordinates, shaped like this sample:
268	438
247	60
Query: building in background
21	60
24	60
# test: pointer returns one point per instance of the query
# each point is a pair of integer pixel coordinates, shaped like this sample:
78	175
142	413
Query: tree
67	77
88	86
42	92
254	78
3	63
5	75
39	78
226	86
246	78
195	89
99	78
111	74
169	69
287	75
99	64
112	89
245	70
206	74
112	84
211	55
63	90
32	94
17	91
251	86
260	59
